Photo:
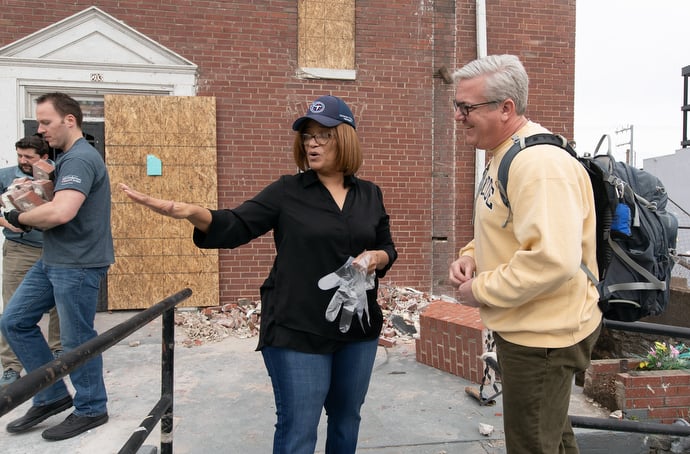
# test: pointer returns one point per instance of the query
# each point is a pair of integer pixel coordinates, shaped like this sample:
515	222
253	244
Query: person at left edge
320	217
20	250
77	252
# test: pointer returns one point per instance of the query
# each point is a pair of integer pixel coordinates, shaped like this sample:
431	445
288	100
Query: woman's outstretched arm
199	217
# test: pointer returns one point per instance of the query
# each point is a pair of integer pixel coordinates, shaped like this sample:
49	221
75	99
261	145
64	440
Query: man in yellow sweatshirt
522	269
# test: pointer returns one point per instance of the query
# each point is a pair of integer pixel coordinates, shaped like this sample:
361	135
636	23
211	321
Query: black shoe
74	425
38	413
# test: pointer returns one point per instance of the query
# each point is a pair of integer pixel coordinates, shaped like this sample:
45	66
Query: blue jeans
74	291
304	383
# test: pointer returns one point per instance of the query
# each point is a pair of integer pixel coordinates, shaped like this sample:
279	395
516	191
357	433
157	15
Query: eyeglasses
321	138
465	109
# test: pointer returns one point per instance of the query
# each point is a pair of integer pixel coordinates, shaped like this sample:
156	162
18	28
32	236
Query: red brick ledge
452	338
652	395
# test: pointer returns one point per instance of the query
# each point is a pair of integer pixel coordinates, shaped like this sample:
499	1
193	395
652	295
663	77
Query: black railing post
163	411
167	379
142	432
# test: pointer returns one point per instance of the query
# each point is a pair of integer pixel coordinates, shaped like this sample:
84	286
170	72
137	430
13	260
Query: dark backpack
636	236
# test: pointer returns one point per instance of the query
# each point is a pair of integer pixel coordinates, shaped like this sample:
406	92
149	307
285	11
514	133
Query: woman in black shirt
320	217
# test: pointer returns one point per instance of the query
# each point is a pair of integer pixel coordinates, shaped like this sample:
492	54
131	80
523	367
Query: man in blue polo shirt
20	251
77	252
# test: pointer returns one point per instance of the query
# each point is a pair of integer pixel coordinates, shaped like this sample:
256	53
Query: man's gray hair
505	78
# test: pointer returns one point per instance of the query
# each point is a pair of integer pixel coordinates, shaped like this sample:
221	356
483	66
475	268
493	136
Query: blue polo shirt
87	240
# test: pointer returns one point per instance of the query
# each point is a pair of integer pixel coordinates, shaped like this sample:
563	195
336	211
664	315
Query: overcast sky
628	60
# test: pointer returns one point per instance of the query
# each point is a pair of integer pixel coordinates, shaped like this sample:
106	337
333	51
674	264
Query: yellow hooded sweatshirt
528	275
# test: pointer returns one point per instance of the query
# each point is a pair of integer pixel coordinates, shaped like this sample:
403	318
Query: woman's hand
198	216
376	260
165	207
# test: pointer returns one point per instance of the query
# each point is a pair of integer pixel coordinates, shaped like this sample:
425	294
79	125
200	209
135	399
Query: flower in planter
664	356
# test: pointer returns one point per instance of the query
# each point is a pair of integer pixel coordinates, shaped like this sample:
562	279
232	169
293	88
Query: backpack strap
519	144
652	284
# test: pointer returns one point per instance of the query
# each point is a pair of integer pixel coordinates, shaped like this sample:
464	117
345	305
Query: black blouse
313	237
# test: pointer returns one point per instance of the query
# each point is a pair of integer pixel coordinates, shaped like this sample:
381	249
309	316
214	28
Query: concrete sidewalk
223	403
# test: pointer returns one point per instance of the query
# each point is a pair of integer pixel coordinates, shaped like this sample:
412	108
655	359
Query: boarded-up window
155	256
326	39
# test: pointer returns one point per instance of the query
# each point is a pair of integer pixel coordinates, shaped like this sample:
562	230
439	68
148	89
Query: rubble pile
213	324
400	307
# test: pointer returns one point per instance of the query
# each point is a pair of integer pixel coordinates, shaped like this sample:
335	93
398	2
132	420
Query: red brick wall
656	395
653	396
246	53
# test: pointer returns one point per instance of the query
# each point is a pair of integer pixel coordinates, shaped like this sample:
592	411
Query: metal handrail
626	425
649	328
15	394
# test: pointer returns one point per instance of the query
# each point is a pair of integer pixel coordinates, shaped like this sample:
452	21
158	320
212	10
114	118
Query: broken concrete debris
400	307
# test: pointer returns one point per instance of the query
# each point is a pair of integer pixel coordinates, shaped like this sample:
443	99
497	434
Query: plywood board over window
326	39
154	255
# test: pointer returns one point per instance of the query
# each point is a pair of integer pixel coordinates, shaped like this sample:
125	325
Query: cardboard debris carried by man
25	194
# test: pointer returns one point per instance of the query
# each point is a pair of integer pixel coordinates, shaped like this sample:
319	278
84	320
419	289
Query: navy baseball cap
329	111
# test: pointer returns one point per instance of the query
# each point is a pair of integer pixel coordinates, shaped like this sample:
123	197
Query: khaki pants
17	258
536	394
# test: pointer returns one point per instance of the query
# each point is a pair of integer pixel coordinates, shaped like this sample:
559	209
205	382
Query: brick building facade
247	56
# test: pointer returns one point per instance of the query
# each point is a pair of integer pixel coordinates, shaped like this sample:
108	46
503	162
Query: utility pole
630	156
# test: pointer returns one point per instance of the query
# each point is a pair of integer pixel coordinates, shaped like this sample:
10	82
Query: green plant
663	356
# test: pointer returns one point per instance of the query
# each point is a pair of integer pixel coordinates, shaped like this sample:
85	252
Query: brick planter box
452	338
652	395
